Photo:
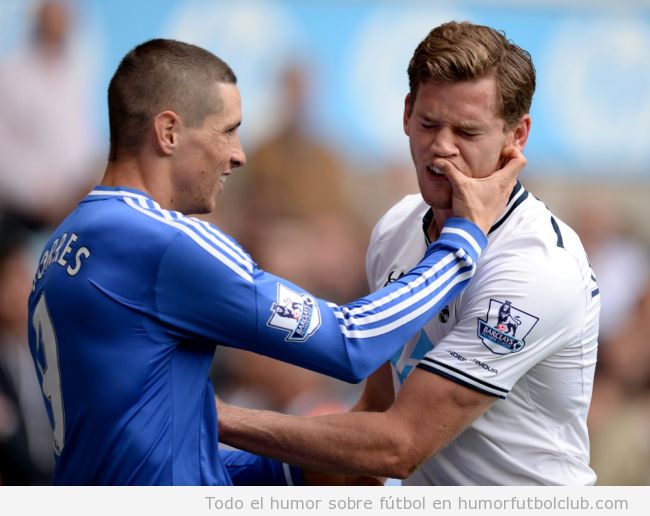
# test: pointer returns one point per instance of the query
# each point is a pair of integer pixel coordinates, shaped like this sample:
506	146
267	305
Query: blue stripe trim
139	204
207	233
428	216
594	293
204	231
515	191
404	305
458	371
406	313
519	195
420	294
230	242
412	284
459	381
426	222
457	239
556	228
118	191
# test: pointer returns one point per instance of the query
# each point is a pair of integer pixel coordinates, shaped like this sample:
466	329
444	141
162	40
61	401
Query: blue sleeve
247	469
215	293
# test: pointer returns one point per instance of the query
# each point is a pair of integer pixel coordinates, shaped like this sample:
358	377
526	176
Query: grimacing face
458	122
210	153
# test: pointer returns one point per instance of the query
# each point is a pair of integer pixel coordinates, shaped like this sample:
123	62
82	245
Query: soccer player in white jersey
496	389
131	296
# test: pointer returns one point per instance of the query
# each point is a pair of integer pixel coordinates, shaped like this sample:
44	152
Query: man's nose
443	143
238	158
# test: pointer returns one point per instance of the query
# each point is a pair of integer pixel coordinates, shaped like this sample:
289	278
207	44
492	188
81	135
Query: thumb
455	176
514	162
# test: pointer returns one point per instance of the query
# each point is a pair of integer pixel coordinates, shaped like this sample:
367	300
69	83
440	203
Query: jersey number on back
48	363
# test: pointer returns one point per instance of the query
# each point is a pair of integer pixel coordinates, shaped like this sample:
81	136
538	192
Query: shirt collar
519	195
107	192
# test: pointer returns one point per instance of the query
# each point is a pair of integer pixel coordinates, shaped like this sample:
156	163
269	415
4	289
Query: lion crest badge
295	313
505	327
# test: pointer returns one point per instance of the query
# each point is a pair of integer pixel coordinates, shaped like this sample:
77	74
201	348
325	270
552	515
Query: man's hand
483	200
227	414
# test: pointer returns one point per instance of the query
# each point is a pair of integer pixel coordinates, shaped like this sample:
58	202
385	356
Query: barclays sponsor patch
298	314
505	327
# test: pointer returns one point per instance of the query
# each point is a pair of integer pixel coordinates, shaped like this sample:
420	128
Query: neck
132	173
440	216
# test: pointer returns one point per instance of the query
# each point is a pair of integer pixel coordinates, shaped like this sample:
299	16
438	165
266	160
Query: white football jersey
524	330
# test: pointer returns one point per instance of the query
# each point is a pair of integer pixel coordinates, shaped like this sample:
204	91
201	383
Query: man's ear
521	132
408	109
167	125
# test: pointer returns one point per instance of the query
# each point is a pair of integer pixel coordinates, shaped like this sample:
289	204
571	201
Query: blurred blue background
323	86
591	112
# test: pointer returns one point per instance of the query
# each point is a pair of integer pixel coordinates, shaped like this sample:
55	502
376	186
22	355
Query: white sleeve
372	259
390	234
519	309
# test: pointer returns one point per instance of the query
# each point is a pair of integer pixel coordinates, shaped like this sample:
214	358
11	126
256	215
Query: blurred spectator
380	189
321	251
293	174
26	453
620	261
255	381
45	131
290	208
290	205
619	416
621	449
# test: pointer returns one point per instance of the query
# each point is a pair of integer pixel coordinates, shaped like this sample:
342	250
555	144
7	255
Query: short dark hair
159	75
463	51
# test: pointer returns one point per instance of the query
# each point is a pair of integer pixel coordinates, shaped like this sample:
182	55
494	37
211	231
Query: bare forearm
354	443
429	412
377	395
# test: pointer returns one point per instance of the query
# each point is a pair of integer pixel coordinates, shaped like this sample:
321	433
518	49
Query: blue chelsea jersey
128	304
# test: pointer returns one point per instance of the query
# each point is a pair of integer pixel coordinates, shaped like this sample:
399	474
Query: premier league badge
505	328
295	313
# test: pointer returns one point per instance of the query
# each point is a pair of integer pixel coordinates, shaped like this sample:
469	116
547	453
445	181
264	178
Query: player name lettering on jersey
64	252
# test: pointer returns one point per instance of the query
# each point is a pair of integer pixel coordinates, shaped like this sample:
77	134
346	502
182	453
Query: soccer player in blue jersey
131	296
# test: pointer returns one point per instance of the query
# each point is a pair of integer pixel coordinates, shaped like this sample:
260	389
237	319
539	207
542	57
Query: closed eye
233	128
469	134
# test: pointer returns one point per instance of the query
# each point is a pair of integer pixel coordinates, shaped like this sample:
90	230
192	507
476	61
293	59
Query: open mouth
434	170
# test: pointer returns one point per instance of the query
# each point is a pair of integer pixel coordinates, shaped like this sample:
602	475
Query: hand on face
482	200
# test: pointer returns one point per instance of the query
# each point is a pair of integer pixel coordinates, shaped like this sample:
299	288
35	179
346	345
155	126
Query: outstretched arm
227	299
368	331
391	443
